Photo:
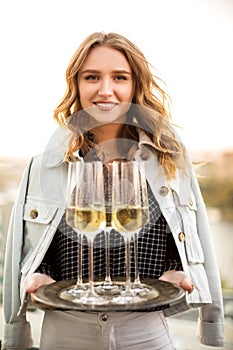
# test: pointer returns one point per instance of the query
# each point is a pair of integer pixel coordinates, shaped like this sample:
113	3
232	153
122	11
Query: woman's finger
37	280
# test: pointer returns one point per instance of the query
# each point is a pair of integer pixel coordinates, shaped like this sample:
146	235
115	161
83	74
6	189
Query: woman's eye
120	77
91	77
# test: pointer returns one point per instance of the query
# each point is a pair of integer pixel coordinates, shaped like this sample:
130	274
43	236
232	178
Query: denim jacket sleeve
41	192
211	316
200	263
16	331
183	207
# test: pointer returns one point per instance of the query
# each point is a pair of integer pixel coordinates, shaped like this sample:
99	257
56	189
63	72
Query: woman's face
105	85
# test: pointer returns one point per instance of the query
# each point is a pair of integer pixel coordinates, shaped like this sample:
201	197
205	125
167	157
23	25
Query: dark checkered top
157	251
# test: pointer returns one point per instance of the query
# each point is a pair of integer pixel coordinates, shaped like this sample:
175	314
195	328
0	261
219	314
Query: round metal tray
163	293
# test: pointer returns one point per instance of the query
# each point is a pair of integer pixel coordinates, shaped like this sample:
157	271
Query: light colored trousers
105	331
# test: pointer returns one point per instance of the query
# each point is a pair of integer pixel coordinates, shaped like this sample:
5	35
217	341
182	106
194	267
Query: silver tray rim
47	297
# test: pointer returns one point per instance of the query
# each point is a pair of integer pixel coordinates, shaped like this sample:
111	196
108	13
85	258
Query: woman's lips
105	106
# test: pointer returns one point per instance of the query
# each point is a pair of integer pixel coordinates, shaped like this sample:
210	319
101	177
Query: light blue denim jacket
37	212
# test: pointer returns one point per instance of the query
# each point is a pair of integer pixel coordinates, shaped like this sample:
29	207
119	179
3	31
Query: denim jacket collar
55	151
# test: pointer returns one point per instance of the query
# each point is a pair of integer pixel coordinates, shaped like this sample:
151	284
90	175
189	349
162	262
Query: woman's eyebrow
115	71
89	71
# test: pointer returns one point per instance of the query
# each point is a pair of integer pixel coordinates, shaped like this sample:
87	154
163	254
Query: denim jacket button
163	191
104	317
34	213
181	236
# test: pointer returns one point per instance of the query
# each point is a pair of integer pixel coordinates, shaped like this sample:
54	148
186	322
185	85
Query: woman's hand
37	280
178	277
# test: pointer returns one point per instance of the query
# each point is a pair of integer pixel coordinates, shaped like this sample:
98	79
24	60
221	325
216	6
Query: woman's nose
105	88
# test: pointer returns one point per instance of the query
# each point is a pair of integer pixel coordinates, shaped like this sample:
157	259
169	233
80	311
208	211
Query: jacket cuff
211	334
17	336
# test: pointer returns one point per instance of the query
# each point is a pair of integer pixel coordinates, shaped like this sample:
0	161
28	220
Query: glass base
108	289
77	292
127	297
91	298
143	290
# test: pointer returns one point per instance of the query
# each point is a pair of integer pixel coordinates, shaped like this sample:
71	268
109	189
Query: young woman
113	109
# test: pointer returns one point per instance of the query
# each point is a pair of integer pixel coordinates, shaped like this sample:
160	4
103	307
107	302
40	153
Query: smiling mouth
105	106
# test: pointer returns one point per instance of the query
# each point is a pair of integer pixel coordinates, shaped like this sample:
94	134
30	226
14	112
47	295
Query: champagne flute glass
72	178
86	214
90	215
127	214
137	286
108	287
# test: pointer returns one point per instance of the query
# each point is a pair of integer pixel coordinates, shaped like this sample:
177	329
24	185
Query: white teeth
105	105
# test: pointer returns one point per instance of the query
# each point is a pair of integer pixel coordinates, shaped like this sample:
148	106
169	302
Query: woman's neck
107	132
111	144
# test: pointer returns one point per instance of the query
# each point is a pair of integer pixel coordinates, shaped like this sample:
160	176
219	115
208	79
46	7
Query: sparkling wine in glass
137	286
128	213
89	217
108	287
71	219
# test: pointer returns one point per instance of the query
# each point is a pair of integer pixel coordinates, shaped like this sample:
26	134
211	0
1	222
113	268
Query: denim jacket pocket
39	211
38	216
188	215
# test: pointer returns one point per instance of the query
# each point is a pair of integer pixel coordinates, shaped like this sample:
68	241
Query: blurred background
188	42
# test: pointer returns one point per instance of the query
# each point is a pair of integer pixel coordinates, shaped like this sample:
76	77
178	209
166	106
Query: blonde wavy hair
151	103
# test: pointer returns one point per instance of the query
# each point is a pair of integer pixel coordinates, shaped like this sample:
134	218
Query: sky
189	42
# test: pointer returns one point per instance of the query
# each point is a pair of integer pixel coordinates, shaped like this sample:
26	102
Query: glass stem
127	264
80	258
107	280
137	278
91	266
